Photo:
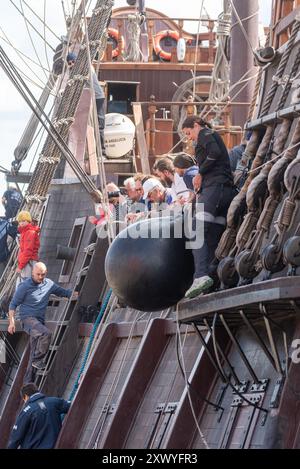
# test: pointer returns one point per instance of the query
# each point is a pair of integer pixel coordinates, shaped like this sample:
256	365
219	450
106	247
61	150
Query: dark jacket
212	158
13	200
235	156
189	176
39	423
6	228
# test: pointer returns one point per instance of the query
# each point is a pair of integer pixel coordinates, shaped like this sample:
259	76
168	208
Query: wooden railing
284	13
205	52
161	136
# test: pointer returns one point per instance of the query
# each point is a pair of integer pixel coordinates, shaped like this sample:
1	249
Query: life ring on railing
158	37
114	33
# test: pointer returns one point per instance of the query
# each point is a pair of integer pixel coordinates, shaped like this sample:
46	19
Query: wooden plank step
287	113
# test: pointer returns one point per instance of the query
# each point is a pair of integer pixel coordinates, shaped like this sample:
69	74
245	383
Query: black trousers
216	200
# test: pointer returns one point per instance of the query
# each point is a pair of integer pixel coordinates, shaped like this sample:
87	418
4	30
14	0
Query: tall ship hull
217	371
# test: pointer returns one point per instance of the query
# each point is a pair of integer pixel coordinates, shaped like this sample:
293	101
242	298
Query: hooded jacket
39	423
29	244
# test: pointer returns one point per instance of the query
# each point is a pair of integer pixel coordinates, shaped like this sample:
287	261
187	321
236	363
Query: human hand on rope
197	182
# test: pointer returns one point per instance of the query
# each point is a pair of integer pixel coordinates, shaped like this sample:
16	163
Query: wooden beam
20	178
286	22
200	67
140	136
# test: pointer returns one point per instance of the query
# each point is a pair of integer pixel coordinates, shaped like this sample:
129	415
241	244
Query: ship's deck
273	298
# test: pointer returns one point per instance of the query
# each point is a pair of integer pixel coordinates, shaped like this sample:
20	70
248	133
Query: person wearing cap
99	98
29	245
156	193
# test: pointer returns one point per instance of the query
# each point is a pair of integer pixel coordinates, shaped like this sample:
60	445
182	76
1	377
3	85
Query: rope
242	27
89	346
221	72
40	19
27	21
19	53
93	443
281	67
201	434
196	50
134	52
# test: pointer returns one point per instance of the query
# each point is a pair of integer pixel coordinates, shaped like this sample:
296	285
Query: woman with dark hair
214	184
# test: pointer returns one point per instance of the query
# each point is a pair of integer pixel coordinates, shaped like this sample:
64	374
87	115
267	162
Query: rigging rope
43	21
26	20
31	40
134	53
89	345
196	50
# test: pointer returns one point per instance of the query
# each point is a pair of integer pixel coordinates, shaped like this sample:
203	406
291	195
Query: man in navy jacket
39	423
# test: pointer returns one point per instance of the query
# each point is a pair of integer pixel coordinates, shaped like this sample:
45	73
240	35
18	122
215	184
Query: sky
14	112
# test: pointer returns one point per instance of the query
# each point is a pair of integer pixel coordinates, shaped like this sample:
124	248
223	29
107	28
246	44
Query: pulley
244	265
272	258
291	174
291	251
227	273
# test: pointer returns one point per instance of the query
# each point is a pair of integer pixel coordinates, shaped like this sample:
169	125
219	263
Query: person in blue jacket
39	423
32	297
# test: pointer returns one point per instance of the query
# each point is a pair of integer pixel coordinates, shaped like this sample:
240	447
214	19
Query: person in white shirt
164	169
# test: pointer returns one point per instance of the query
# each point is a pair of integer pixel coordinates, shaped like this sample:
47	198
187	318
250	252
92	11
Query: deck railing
204	44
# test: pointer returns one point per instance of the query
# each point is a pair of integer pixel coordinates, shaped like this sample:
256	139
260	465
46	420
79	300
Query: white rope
45	41
20	52
21	58
43	21
196	50
100	159
221	77
116	379
243	29
134	52
30	38
27	21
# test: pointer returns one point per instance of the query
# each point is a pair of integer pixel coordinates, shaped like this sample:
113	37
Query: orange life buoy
158	37
114	33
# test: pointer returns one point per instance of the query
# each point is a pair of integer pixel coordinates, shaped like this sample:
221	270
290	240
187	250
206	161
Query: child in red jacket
29	245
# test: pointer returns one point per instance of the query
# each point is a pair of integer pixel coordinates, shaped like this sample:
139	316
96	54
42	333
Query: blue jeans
40	339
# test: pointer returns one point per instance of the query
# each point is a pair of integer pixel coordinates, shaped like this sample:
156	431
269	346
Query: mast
241	55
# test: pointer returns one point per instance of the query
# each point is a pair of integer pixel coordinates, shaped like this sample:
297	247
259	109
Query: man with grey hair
32	297
133	194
